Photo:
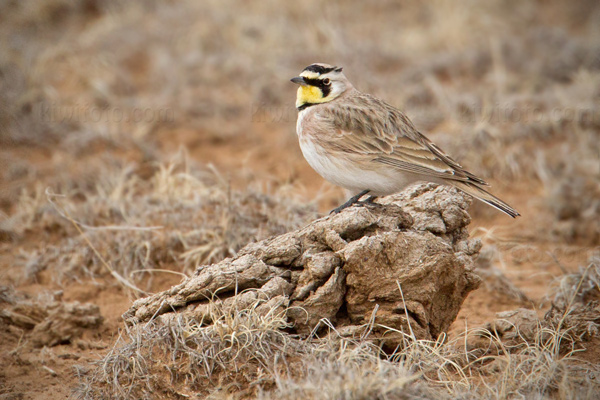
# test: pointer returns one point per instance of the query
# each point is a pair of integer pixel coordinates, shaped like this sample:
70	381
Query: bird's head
320	83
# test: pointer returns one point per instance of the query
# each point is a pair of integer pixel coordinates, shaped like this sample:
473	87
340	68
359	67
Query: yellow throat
310	95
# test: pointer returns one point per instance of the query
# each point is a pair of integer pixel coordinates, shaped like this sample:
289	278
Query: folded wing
372	130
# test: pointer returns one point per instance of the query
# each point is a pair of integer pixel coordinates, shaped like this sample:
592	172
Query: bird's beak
298	80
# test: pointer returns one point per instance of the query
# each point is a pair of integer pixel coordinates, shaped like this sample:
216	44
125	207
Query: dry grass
247	353
236	350
581	287
572	187
576	302
180	216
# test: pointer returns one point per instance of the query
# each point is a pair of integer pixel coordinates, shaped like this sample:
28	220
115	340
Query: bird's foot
369	200
354	200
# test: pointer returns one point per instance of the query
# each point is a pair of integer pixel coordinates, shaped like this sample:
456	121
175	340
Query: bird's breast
301	122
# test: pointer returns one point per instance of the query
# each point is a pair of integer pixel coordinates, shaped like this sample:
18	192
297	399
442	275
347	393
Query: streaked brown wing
366	126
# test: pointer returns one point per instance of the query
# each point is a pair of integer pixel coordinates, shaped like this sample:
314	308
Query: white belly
341	172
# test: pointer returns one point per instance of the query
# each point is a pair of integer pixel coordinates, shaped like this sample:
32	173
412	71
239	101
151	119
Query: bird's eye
326	82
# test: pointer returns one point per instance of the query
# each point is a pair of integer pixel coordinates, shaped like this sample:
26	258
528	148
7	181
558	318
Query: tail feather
485	196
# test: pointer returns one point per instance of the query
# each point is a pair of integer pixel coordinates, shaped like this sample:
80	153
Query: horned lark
365	145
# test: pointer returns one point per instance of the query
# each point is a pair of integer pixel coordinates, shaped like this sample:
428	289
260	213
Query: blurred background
509	88
138	137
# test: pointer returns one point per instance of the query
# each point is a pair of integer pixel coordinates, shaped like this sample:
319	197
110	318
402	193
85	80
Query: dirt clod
49	323
405	260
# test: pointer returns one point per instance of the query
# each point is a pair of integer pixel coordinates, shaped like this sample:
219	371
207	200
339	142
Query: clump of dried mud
406	264
47	321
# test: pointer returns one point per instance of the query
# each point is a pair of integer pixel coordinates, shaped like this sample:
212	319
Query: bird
365	145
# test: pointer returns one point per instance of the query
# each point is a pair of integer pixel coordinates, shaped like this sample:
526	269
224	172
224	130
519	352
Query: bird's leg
352	200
